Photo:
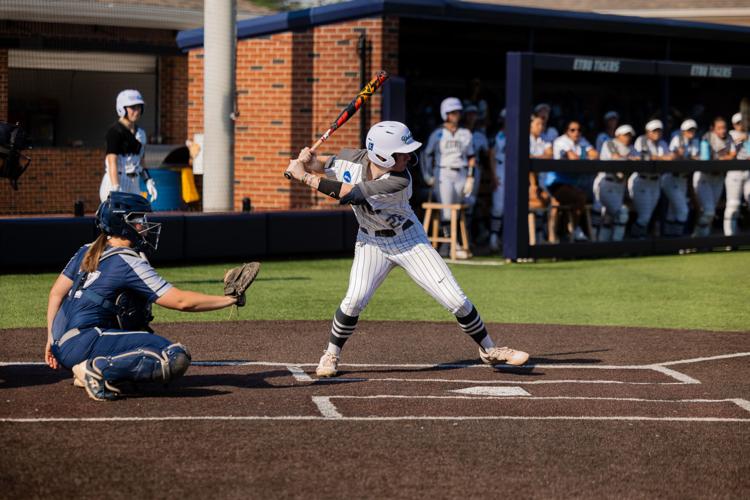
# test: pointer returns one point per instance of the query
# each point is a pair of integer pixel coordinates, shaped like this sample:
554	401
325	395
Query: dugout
296	70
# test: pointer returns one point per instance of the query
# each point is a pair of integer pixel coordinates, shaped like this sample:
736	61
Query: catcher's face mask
148	232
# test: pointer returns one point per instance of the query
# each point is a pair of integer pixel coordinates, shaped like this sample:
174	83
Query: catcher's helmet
127	98
124	215
386	138
449	105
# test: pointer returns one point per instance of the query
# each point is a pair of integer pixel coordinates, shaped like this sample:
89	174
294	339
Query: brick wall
56	179
290	87
173	89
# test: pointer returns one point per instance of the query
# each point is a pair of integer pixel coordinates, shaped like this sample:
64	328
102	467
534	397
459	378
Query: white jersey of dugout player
674	185
609	191
564	143
690	148
481	148
644	188
737	184
708	185
447	156
387	206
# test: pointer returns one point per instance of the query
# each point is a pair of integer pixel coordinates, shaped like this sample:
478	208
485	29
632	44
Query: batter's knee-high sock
341	329
473	326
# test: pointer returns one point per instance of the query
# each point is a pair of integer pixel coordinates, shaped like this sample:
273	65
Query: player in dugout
377	184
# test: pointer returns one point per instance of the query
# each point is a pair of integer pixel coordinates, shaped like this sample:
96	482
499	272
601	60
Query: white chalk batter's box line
328	410
298	372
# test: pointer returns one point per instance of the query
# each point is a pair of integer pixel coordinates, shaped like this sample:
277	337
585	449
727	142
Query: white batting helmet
386	138
449	105
126	98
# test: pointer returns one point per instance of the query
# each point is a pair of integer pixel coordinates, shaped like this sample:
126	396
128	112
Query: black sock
342	328
473	326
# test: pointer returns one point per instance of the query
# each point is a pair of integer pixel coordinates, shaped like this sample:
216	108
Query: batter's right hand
306	156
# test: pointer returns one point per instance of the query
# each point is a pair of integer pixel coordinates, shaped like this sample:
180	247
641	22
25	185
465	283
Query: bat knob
288	175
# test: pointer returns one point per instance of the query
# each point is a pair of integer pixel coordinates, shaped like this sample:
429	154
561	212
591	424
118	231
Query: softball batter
377	184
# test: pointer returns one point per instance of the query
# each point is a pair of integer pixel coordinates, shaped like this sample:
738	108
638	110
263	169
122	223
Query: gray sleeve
393	182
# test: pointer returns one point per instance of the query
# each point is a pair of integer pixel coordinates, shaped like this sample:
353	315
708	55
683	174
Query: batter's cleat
503	356
328	365
96	387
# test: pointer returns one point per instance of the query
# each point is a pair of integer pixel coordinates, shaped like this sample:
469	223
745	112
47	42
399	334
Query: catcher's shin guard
144	365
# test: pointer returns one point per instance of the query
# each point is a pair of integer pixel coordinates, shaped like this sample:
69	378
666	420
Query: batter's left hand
151	188
469	186
49	358
296	169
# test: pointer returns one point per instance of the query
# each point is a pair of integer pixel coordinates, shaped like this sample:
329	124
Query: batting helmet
386	138
127	98
449	105
124	214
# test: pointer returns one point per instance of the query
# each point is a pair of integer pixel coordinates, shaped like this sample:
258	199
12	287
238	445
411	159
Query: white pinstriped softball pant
375	256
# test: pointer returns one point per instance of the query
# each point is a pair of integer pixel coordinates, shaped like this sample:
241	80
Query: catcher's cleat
77	382
96	387
328	365
503	355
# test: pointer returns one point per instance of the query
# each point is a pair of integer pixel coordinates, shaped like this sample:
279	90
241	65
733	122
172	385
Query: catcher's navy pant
133	356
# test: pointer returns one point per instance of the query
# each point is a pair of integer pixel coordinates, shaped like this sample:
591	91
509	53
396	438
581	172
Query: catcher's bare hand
239	279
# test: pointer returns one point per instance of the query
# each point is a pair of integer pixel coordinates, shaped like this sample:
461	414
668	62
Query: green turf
704	291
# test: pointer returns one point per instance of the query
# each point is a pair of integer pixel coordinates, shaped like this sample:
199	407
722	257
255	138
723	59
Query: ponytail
94	253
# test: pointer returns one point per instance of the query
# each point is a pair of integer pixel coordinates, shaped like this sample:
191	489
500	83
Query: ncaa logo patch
347	176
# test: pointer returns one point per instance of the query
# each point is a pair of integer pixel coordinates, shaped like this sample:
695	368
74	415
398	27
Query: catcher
100	305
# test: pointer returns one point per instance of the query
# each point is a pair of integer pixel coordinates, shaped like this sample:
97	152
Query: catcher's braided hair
94	253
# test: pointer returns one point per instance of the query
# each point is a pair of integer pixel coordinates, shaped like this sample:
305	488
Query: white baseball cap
736	118
449	105
610	115
624	129
654	125
688	124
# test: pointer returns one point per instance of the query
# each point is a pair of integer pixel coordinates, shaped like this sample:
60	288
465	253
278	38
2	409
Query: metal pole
362	48
518	84
218	105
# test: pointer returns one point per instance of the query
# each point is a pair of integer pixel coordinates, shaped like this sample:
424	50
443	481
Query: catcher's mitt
239	279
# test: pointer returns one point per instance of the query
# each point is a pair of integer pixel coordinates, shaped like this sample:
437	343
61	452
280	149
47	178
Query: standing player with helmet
609	187
449	162
644	187
376	183
737	181
716	144
684	146
125	149
100	305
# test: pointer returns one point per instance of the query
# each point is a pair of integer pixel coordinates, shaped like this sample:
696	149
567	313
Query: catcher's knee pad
175	361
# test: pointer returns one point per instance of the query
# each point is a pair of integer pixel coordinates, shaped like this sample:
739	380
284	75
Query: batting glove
151	188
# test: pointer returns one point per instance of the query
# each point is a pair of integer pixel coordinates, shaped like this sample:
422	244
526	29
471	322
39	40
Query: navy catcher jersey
123	271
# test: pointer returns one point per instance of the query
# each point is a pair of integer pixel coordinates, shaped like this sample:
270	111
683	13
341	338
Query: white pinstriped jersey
385	199
446	149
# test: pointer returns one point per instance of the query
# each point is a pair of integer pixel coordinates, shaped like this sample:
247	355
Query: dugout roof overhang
467	12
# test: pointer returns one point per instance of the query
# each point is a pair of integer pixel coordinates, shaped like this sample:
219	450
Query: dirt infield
599	412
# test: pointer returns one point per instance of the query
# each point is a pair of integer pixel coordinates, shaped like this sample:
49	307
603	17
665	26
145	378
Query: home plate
493	391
